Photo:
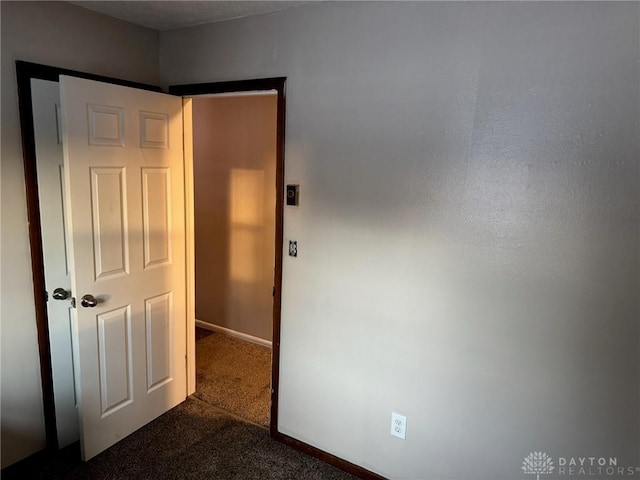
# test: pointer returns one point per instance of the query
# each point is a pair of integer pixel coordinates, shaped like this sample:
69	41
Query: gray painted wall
468	235
59	34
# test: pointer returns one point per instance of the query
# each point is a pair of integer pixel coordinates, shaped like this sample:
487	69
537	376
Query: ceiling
167	15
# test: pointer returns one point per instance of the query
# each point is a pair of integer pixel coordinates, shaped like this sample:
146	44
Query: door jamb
25	71
279	85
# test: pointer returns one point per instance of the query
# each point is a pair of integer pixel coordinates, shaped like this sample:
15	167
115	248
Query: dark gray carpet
234	375
193	441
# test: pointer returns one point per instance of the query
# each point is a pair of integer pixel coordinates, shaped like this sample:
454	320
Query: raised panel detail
114	357
71	350
156	212
159	328
58	124
109	207
154	130
64	222
106	125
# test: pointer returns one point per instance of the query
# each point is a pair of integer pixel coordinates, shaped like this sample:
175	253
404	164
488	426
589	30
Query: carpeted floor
234	375
192	441
203	438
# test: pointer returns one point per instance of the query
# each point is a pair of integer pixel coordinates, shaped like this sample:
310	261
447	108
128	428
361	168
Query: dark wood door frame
262	84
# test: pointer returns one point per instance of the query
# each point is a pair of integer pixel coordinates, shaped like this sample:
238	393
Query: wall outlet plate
293	248
398	425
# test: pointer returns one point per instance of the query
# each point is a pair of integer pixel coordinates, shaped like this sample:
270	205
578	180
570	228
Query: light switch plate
293	195
293	248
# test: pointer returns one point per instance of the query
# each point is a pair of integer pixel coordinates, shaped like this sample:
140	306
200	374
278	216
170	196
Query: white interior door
46	123
124	166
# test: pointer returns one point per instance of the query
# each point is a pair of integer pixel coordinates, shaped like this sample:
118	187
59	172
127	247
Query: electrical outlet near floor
398	425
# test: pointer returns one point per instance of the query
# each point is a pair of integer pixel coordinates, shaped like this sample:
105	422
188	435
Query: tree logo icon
537	463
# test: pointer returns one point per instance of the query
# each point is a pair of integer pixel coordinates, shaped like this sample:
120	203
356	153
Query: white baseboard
232	333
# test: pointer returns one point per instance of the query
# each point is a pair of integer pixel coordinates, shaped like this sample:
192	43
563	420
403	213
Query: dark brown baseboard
344	465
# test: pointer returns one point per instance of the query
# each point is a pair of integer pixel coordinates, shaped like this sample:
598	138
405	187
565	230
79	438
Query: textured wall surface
468	231
62	35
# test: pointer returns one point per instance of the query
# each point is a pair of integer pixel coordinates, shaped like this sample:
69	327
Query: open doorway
190	92
234	167
28	71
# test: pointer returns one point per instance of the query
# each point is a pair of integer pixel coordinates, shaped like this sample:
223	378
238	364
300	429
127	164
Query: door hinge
273	292
73	302
46	296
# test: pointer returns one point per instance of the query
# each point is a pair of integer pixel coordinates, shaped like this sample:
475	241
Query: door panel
110	236
156	196
159	329
125	175
114	350
49	163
